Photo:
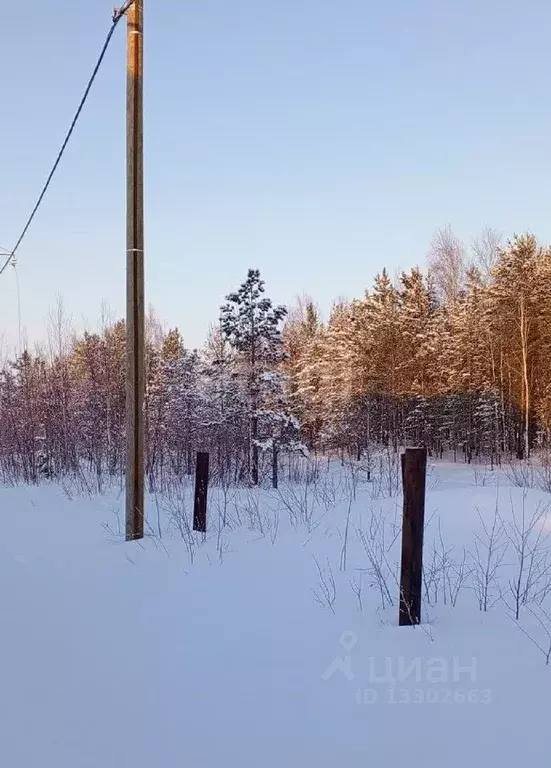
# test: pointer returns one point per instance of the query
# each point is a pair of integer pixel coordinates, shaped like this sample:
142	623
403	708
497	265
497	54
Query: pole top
118	12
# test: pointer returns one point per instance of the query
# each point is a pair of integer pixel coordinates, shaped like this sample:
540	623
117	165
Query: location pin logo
343	664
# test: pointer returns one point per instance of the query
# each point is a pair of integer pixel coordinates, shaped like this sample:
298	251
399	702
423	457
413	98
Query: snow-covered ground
239	651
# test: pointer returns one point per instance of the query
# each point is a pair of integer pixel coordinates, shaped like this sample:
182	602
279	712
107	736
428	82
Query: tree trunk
525	378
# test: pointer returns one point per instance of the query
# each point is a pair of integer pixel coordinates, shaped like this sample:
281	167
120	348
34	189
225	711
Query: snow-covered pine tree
304	341
251	324
277	427
517	297
224	411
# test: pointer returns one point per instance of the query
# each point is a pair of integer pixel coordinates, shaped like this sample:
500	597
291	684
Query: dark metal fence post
414	470
201	486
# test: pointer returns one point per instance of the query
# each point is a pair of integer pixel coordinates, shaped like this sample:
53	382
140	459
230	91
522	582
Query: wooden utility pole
135	317
414	470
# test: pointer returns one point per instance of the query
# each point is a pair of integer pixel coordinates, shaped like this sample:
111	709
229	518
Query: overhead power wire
117	16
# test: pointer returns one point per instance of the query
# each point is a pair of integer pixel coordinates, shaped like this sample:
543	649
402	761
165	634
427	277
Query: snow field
178	651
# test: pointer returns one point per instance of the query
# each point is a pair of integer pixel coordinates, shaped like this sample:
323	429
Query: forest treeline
456	359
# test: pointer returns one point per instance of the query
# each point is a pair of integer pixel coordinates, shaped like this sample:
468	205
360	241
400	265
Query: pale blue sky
316	140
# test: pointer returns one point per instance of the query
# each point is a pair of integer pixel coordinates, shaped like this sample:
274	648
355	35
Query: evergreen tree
251	324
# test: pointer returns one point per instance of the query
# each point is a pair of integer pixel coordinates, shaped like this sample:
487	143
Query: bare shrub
115	533
329	490
483	475
543	472
458	577
444	577
325	592
82	484
174	502
387	480
301	504
351	486
543	642
487	558
357	586
254	514
529	541
521	474
379	571
250	509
